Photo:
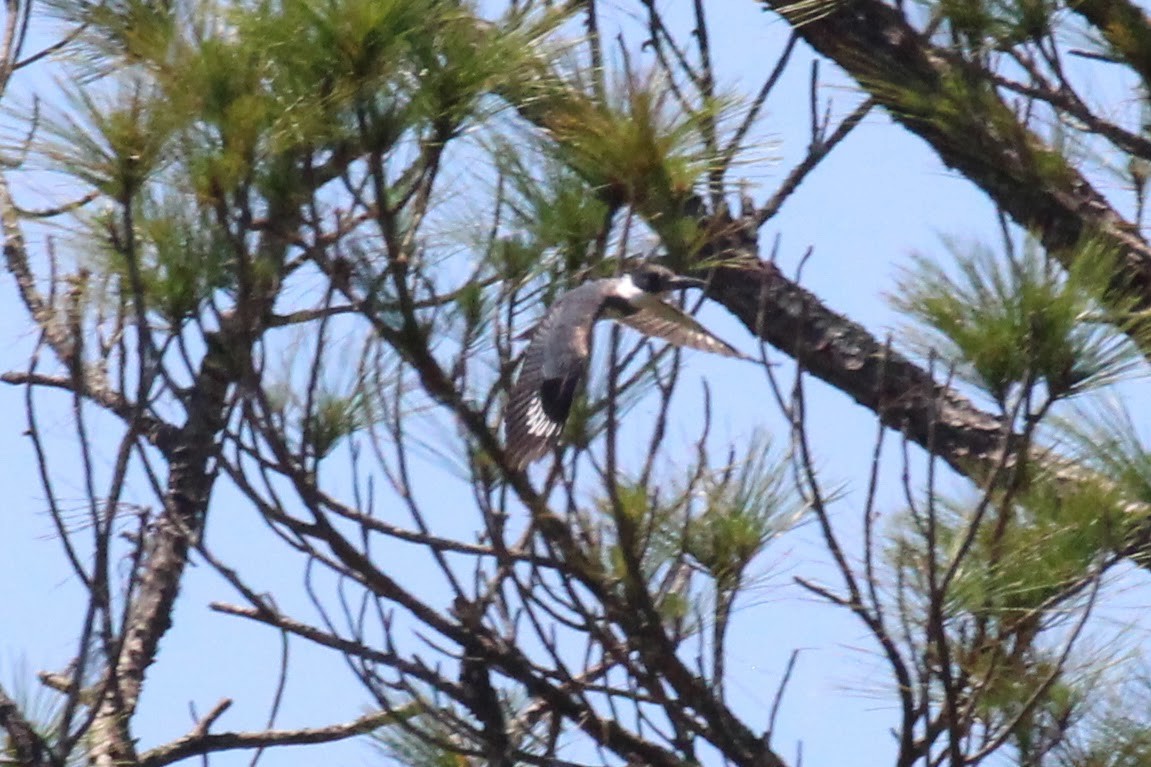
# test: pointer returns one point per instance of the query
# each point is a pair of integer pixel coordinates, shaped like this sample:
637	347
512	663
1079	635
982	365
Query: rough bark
842	353
180	523
191	477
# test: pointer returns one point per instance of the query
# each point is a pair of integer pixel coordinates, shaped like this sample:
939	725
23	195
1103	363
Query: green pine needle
1105	438
549	202
1006	323
745	506
637	143
114	142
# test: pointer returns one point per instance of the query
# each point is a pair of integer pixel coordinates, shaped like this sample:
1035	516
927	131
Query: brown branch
159	433
55	47
737	138
210	718
1065	100
58	210
904	396
844	354
303	316
820	148
1126	29
13	39
16	259
317	636
149	616
496	652
198	743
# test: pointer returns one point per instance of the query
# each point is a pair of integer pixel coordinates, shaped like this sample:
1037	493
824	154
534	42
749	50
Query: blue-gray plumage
557	356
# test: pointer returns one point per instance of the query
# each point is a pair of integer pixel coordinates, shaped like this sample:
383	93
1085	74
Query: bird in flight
557	355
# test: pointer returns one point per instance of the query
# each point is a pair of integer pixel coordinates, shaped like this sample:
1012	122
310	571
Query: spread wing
660	319
553	367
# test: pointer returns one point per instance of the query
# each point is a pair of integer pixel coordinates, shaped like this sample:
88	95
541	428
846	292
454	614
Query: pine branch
842	353
875	44
159	433
198	743
1125	27
944	101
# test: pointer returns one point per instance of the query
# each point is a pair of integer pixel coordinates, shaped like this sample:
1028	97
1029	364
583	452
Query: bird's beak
681	283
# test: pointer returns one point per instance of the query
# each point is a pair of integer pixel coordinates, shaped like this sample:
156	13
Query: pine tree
303	239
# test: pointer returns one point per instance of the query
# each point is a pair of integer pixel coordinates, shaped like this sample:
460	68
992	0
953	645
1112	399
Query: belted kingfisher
557	356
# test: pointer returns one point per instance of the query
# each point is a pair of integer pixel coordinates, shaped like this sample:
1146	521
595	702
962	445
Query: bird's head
656	279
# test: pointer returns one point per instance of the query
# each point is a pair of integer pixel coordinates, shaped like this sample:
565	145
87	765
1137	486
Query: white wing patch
557	351
538	422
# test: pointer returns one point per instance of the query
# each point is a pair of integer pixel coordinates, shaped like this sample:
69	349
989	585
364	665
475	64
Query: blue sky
878	198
